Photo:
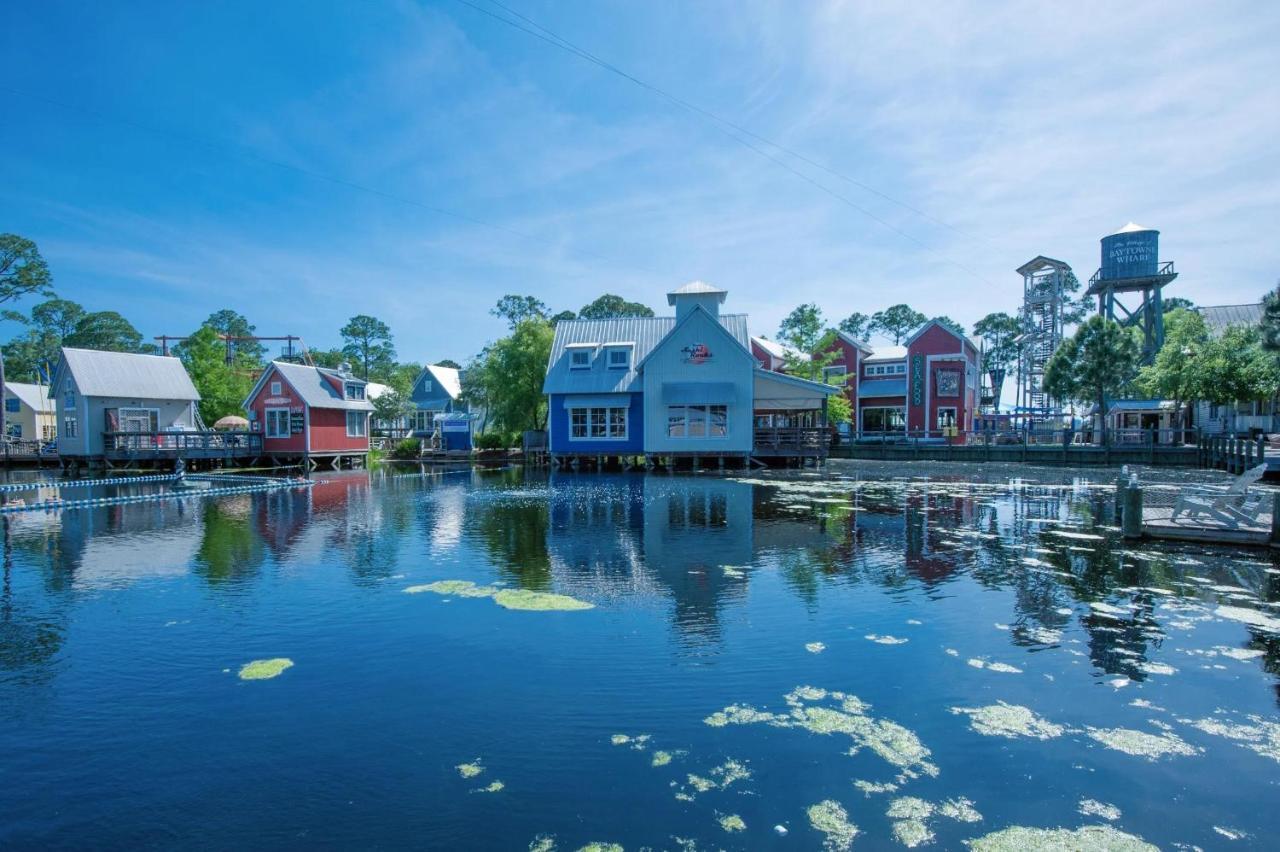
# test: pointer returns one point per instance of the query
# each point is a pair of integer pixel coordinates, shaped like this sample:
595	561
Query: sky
302	162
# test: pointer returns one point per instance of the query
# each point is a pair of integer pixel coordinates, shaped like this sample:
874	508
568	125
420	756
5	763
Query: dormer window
580	359
354	390
619	359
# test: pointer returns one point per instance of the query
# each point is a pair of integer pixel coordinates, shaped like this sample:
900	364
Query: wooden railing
182	443
809	438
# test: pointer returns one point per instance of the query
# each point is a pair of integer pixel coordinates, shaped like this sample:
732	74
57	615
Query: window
275	389
836	371
605	424
15	430
70	427
47	433
579	359
13	405
428	386
277	422
697	421
69	396
883	419
422	421
354	390
619	359
946	417
356	424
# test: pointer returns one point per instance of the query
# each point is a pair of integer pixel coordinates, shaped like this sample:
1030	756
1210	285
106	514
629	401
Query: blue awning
882	387
597	400
698	393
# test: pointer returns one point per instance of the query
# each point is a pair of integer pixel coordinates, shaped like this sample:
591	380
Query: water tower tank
1131	252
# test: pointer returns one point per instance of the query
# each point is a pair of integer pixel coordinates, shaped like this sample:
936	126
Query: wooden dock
1158	524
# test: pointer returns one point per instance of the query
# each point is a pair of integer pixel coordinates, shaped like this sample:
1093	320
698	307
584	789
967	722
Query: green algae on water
912	832
1090	838
265	669
523	599
959	809
1142	744
597	846
543	843
469	770
909	807
661	758
1094	808
870	787
493	787
815	647
701	784
458	588
830	818
732	823
729	772
1009	720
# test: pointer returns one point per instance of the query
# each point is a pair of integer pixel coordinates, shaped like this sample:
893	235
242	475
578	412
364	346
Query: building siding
558	426
287	398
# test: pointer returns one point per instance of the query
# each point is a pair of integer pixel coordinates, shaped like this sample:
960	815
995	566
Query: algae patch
1090	838
661	758
1142	744
815	647
524	599
830	818
885	640
265	669
493	787
1009	720
732	823
1092	807
458	588
469	770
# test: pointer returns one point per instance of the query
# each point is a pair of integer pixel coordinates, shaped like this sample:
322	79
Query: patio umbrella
230	422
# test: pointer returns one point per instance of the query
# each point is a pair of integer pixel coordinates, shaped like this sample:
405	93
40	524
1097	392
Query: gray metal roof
33	396
1219	318
310	384
644	332
882	387
126	374
696	288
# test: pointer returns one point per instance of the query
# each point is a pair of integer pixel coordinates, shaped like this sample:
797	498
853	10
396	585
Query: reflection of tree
514	532
230	549
376	526
29	640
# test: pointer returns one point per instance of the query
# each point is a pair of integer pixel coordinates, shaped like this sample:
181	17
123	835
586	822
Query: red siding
329	432
288	398
849	357
936	343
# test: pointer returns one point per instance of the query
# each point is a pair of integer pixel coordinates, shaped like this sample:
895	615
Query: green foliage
1175	303
106	330
1270	324
517	309
896	322
803	328
222	386
563	315
331	358
1095	363
23	271
1076	306
402	376
609	305
57	317
507	378
50	323
1237	368
391	406
839	409
232	324
950	323
448	363
367	342
409	448
857	326
492	441
998	332
1178	370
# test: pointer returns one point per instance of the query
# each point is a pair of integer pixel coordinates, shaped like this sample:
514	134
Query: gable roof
126	374
643	333
33	396
1039	262
853	341
959	335
448	378
310	384
1219	318
892	352
778	349
796	381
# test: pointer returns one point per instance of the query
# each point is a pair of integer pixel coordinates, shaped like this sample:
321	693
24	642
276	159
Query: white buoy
781	830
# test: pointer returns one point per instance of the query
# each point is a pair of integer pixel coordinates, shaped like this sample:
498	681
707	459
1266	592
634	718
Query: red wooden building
926	388
310	413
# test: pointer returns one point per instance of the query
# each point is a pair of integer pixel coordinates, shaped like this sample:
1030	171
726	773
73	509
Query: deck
157	446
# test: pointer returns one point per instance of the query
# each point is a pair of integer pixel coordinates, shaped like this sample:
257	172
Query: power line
735	131
237	150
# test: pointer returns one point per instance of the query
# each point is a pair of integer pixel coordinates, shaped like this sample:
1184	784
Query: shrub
492	441
409	448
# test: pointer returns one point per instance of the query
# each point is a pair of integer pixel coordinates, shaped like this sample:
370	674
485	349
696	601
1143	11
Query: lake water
926	654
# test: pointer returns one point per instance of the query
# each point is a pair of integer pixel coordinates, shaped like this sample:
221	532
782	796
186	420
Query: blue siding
558	425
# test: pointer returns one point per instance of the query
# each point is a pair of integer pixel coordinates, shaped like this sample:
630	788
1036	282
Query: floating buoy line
85	483
258	485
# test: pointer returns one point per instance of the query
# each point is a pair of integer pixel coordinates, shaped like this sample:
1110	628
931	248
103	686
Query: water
125	725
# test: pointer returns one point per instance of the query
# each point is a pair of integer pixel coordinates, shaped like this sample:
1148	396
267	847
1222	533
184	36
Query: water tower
1044	297
1132	272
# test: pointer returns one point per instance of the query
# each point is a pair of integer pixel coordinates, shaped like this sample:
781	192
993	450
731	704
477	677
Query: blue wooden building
664	389
436	390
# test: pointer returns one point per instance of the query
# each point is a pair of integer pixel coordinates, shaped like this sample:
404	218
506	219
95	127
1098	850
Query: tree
1074	307
1178	371
1237	368
23	272
856	326
446	362
896	322
517	309
390	406
1174	303
233	324
609	305
999	333
222	387
57	317
563	315
950	323
803	331
511	373
34	353
105	330
367	341
1270	323
330	358
1098	361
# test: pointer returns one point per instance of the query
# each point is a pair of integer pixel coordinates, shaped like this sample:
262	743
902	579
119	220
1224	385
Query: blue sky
288	159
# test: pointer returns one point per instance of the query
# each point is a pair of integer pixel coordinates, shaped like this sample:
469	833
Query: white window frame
71	427
625	352
69	395
364	424
276	388
353	390
599	423
834	370
707	411
573	359
955	416
267	421
427	386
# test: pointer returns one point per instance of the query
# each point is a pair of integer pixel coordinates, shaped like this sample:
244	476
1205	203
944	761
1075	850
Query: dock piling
1131	522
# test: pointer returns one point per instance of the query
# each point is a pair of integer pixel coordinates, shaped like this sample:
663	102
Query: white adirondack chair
1229	505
